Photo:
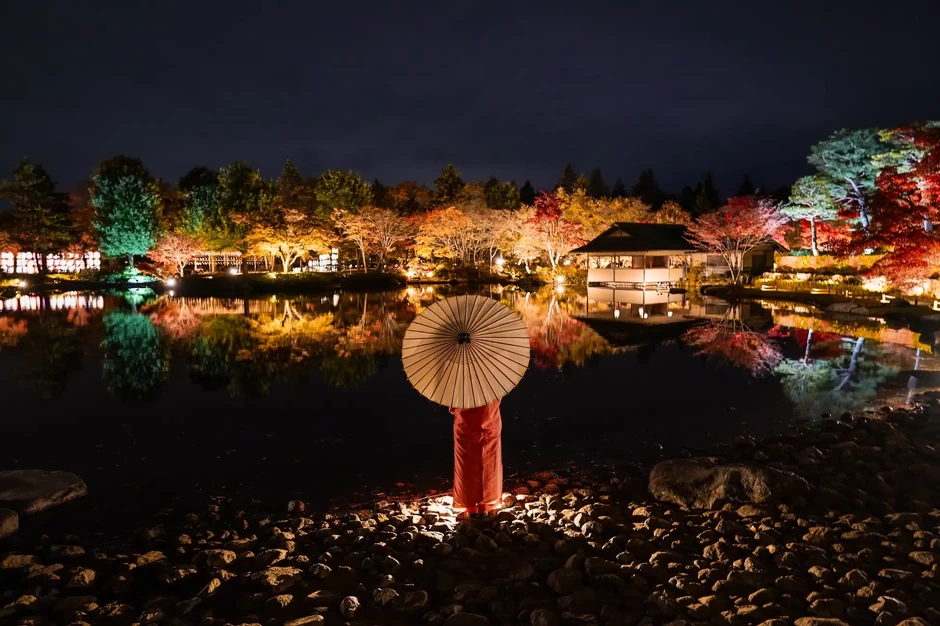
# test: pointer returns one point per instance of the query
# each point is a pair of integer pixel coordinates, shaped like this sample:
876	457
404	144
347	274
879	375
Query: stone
921	558
149	558
82	579
74	603
278	603
9	522
277	579
827	607
322	598
384	596
216	558
564	581
855	578
466	619
415	601
17	561
700	483
819	621
32	491
349	606
301	621
543	617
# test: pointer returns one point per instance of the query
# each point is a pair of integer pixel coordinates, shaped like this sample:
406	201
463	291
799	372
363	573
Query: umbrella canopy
466	351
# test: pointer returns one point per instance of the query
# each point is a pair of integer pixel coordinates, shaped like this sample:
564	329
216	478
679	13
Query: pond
162	402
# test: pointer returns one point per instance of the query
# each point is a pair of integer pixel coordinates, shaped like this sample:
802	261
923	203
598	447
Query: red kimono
478	458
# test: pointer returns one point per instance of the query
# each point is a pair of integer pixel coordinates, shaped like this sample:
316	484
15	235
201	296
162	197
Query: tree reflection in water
731	340
136	355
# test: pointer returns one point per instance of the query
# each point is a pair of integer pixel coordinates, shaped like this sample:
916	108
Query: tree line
130	213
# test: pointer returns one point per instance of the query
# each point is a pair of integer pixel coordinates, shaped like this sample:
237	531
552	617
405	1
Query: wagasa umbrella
466	351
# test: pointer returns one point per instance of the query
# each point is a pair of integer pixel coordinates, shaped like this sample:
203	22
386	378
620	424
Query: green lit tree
136	356
447	186
124	196
246	199
200	193
503	195
849	158
597	186
344	191
40	220
811	199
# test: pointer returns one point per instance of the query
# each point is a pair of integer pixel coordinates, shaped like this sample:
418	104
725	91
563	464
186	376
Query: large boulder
32	491
700	483
9	522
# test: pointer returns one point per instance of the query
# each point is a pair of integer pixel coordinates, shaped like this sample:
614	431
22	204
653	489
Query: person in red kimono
478	459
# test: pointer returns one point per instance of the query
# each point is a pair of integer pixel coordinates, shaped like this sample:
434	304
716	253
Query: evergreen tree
503	195
619	190
200	191
647	189
597	187
124	195
448	186
527	193
381	196
746	188
245	198
40	220
568	179
581	184
345	191
687	199
849	159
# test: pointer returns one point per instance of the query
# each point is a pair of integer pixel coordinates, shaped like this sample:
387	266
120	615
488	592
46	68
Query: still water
163	401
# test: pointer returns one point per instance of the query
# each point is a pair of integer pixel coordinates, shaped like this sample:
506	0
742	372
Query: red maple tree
557	235
737	228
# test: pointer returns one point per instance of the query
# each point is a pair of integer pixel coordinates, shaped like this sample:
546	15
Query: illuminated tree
596	215
40	220
521	236
736	229
811	199
671	213
200	191
848	159
246	200
731	340
124	195
409	198
501	195
443	233
136	357
344	191
557	234
448	186
289	236
176	250
388	231
356	227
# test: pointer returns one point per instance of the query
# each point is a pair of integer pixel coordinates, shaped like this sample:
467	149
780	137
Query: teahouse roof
625	237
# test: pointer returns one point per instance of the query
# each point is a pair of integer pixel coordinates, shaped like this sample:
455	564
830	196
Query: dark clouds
515	89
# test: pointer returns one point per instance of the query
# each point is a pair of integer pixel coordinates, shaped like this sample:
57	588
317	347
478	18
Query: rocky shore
835	523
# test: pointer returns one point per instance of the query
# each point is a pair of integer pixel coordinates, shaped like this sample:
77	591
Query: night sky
512	89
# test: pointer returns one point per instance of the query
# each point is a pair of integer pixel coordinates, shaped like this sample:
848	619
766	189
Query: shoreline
837	520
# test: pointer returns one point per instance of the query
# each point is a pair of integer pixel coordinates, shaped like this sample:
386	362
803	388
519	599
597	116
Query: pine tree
448	186
619	190
647	189
597	187
568	178
527	193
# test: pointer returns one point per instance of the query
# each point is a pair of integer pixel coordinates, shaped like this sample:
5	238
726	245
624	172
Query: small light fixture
171	282
429	274
559	279
232	271
23	284
616	313
272	275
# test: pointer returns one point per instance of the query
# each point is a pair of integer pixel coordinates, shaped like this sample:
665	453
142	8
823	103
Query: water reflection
824	364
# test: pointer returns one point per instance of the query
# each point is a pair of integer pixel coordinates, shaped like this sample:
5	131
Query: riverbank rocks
731	541
9	522
701	483
32	491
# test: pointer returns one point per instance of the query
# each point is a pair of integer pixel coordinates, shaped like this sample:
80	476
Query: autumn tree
671	213
355	228
388	231
344	191
448	186
849	159
245	201
733	341
40	220
557	234
124	195
521	236
176	250
595	215
735	229
442	233
811	199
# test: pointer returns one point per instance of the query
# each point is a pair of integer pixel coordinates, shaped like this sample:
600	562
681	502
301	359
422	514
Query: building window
656	262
